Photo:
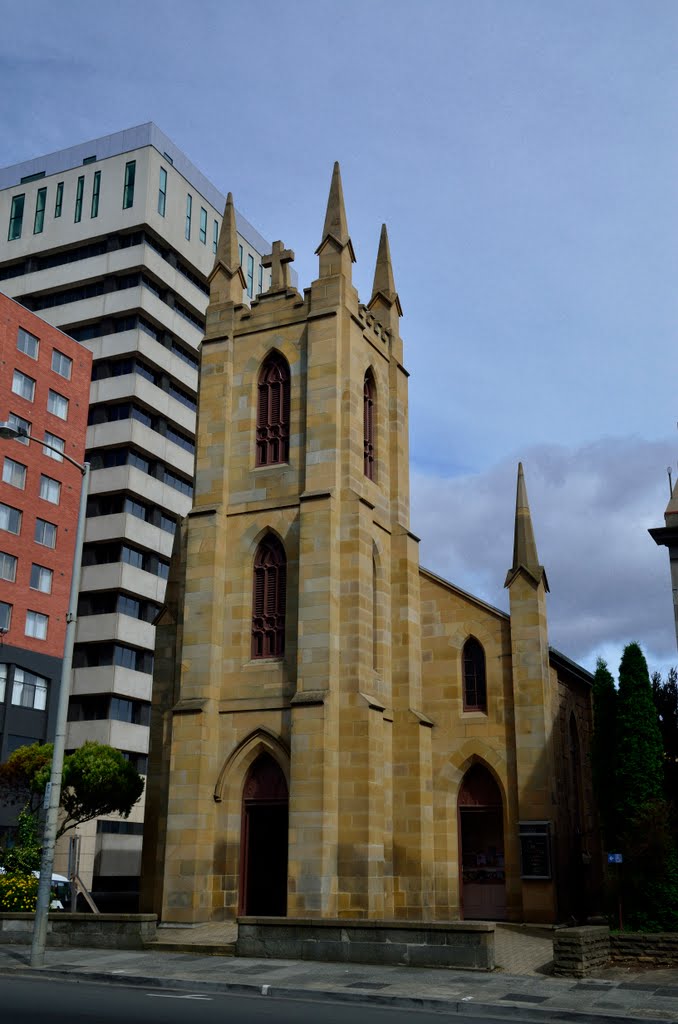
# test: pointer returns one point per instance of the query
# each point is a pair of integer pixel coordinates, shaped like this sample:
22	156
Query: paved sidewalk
652	996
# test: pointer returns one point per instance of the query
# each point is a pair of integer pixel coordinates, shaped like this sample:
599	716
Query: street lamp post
54	789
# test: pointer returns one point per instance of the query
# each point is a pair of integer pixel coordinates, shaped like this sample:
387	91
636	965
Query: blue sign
615	858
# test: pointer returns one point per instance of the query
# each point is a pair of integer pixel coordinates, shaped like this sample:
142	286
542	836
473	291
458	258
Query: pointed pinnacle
335	217
336	225
384	282
227	249
524	547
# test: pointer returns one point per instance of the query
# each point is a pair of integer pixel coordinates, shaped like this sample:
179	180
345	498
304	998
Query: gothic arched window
273	412
475	687
369	395
268	599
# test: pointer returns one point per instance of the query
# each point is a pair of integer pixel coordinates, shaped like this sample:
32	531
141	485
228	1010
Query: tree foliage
665	696
604	749
640	754
96	780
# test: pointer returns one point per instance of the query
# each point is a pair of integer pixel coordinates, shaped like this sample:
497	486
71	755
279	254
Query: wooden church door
481	835
263	851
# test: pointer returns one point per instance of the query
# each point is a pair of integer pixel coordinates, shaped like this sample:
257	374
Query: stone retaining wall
98	931
579	951
439	944
658	949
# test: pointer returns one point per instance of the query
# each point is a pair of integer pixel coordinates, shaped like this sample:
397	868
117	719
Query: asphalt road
45	1001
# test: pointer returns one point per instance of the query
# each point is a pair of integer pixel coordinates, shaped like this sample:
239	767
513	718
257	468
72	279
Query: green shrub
18	892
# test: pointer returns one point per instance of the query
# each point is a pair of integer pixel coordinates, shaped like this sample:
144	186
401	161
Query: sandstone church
338	732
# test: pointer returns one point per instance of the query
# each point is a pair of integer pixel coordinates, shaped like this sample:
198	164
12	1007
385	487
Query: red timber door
481	834
263	851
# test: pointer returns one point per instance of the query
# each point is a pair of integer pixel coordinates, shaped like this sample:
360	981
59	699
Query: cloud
591	509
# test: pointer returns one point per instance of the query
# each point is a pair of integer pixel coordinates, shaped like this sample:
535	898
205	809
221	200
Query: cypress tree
604	751
639	743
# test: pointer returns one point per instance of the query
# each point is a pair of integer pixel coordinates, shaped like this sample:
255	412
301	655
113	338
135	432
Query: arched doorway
263	851
481	834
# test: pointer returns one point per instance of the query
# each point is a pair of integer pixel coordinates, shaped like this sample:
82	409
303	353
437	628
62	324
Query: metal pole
54	790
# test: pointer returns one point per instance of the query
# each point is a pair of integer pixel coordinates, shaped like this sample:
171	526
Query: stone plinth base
579	951
97	931
424	944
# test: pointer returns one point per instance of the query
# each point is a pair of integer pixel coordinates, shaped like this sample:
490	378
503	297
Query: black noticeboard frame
535	850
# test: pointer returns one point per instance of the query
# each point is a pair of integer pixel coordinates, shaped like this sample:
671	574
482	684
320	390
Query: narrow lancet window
268	600
475	687
273	412
368	424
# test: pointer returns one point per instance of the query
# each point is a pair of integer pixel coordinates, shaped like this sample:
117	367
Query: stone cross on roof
277	261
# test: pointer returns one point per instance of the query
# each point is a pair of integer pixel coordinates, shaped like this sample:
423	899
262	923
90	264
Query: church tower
290	763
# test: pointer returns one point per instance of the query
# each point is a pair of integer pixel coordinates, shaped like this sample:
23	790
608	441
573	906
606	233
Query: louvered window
475	688
268	601
273	412
368	424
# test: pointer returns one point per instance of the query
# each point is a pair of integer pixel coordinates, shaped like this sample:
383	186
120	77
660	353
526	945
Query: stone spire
336	248
525	556
227	280
384	292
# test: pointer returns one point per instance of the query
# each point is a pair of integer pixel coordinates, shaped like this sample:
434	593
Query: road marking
171	995
265	990
466	999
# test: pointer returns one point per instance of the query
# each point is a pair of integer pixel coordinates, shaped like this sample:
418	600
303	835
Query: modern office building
44	393
112	241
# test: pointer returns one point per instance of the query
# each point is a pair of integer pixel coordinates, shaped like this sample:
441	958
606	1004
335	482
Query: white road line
172	995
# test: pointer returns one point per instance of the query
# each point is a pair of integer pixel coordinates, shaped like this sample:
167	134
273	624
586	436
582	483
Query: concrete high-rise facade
112	241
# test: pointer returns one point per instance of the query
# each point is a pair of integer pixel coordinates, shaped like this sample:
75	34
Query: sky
524	154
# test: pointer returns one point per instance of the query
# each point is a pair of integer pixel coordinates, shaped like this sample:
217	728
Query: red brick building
44	391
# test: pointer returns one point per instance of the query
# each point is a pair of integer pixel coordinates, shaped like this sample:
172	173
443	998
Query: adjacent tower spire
525	556
385	302
227	280
336	248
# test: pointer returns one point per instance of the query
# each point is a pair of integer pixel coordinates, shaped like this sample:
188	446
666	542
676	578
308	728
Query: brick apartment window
268	601
203	225
189	208
215	235
5	616
41	578
40	204
250	276
475	687
96	191
23	385
22	425
128	188
273	412
50	489
369	395
162	192
62	364
3	682
45	533
16	217
57	404
59	201
7	567
29	690
36	625
14	473
27	343
54	442
10	518
79	192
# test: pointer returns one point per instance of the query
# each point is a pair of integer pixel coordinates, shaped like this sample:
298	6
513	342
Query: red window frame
273	412
475	680
269	591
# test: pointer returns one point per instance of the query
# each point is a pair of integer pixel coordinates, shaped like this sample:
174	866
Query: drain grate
367	984
524	997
